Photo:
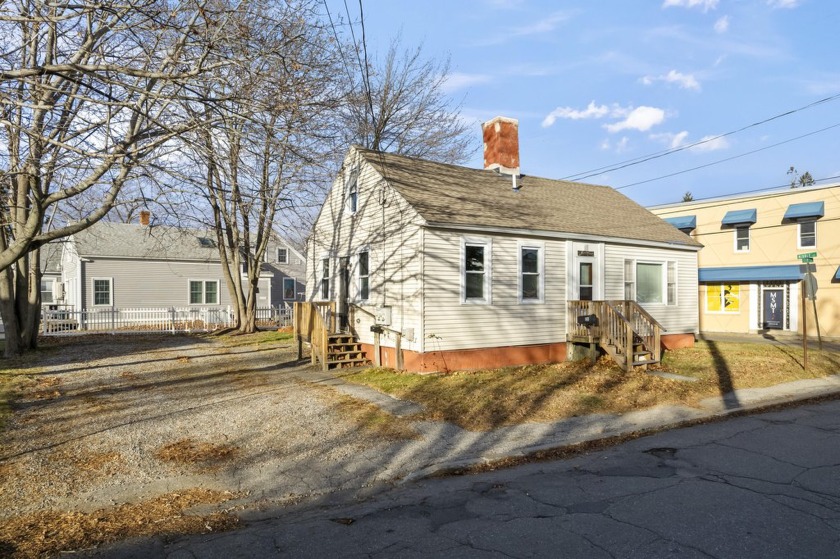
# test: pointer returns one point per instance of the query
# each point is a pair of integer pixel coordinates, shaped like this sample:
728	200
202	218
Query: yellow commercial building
753	265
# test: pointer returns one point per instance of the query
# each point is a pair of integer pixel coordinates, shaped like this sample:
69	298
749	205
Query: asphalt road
758	486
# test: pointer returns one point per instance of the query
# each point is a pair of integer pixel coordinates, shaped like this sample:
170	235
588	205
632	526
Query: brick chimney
501	145
145	217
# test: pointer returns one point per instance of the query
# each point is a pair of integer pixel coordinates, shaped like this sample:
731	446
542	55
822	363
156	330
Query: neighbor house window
289	288
723	298
530	274
475	272
364	275
47	290
325	278
103	291
204	292
807	234
283	255
742	238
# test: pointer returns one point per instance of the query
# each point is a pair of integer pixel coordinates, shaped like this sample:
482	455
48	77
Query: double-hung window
808	234
103	292
742	238
282	256
363	270
530	274
475	271
325	278
204	292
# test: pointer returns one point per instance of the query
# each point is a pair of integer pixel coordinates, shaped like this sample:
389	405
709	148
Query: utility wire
645	158
669	175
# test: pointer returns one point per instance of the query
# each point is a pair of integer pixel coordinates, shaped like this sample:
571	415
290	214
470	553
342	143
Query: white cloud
641	118
782	4
671	140
711	143
722	25
591	111
620	146
457	80
684	81
704	5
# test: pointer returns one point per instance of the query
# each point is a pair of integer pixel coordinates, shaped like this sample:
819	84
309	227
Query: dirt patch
138	419
202	456
48	533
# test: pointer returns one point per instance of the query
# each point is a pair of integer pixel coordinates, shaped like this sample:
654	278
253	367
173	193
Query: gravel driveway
116	419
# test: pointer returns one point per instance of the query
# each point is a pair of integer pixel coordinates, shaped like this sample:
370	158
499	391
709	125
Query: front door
343	293
773	309
584	265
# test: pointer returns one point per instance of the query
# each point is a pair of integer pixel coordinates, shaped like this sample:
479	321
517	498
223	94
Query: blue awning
740	217
802	211
683	223
750	273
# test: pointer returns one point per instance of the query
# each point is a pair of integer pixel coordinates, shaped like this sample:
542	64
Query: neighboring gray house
50	258
141	266
488	267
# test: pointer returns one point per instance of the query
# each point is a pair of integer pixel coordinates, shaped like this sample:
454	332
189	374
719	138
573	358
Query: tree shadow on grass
724	377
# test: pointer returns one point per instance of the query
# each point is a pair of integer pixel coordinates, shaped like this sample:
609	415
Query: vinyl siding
676	319
144	283
388	228
450	324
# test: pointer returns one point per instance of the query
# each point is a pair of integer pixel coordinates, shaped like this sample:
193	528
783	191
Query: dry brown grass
486	399
48	533
201	456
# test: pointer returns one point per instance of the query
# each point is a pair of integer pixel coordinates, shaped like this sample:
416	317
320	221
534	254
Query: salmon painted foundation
494	357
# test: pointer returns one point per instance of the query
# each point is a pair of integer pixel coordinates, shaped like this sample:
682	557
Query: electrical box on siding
383	316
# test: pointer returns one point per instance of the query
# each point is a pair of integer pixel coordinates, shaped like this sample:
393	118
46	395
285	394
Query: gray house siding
145	283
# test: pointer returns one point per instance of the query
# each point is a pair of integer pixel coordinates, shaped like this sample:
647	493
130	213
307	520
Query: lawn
486	399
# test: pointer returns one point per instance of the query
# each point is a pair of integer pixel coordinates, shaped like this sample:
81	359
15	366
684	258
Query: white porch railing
56	320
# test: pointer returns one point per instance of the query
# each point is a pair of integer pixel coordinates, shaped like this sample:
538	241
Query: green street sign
807	257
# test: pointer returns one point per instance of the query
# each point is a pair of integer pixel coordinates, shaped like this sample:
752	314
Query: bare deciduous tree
401	106
88	92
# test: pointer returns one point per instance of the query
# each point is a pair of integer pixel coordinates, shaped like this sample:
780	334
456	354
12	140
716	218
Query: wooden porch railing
314	322
621	326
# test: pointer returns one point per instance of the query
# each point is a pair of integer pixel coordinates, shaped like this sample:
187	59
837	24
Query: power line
645	158
669	175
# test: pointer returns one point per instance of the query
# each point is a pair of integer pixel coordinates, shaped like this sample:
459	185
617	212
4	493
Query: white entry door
586	273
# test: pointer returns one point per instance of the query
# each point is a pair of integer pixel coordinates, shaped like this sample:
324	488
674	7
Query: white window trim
110	302
540	248
277	251
352	182
204	282
488	270
358	275
799	234
321	278
735	238
663	264
294	288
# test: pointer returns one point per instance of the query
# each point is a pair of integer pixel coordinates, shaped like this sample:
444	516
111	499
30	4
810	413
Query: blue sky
600	82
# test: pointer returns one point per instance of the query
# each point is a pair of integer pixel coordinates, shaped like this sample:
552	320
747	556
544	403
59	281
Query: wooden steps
344	351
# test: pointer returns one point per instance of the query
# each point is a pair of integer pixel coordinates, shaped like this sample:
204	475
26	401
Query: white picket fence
67	320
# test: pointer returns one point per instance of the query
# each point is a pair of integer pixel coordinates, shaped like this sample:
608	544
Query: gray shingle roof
130	240
450	194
